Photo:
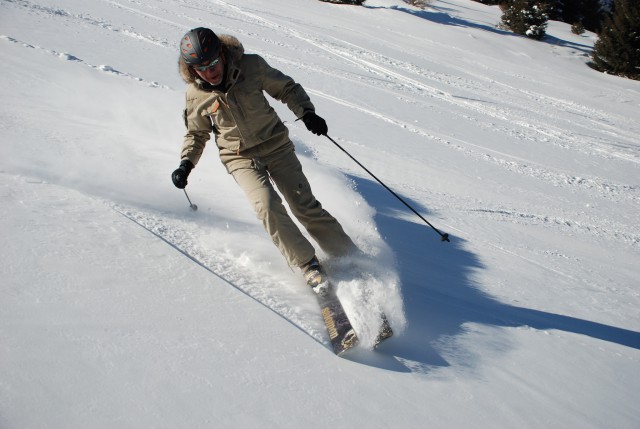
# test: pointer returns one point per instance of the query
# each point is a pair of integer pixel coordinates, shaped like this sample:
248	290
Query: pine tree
589	13
526	17
586	12
578	28
617	50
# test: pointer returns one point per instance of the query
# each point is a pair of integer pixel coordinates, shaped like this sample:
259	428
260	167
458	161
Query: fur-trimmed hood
232	50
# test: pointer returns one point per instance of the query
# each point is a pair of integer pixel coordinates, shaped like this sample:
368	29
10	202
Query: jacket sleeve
198	133
285	89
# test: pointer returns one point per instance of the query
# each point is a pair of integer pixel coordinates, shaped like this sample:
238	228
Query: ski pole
443	236
191	206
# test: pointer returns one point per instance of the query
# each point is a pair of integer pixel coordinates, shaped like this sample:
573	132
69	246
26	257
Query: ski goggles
208	66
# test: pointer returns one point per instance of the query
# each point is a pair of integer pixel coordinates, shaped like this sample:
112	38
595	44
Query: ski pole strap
443	236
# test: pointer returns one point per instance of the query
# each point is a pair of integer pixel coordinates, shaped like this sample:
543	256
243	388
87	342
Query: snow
123	308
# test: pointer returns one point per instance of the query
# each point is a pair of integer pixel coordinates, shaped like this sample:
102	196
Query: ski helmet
199	46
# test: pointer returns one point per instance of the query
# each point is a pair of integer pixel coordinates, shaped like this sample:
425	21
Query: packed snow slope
122	308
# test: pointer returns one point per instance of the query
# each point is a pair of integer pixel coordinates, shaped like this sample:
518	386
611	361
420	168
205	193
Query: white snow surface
121	308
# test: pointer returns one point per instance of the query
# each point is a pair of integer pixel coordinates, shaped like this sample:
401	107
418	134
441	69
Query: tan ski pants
256	172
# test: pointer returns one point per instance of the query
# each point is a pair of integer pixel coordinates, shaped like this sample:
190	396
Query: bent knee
265	202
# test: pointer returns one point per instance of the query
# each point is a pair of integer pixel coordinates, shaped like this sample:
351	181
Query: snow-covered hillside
120	307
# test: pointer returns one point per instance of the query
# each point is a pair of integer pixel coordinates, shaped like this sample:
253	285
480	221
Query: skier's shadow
441	297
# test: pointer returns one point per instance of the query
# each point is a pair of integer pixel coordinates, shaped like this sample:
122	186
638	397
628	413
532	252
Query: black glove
315	124
179	176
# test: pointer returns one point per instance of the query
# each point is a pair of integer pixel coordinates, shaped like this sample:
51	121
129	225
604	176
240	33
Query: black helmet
199	46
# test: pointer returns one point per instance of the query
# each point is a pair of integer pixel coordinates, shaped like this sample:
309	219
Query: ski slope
123	308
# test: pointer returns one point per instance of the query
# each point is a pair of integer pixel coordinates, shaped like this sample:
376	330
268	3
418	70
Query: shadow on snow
441	298
440	15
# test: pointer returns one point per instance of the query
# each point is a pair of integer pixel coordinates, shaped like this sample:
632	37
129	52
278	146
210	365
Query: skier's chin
215	82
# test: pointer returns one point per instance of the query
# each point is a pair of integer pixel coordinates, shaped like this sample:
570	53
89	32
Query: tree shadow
441	296
586	49
440	15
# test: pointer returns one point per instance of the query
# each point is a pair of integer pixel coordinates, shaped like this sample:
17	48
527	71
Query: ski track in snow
69	57
56	13
364	297
611	230
225	265
603	188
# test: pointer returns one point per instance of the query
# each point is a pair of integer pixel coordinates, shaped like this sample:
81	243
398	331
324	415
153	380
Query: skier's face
213	72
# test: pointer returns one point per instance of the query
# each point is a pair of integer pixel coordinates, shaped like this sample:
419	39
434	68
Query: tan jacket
238	111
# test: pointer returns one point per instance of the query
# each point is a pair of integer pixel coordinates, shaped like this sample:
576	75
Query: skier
225	96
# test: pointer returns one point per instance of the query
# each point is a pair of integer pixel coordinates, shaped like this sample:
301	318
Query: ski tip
385	333
381	339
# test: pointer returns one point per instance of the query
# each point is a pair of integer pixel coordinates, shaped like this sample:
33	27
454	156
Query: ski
385	331
342	335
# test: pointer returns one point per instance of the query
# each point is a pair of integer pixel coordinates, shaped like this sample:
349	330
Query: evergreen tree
617	50
577	28
586	12
526	17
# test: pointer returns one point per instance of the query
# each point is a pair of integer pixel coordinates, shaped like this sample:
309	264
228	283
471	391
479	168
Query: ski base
342	335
